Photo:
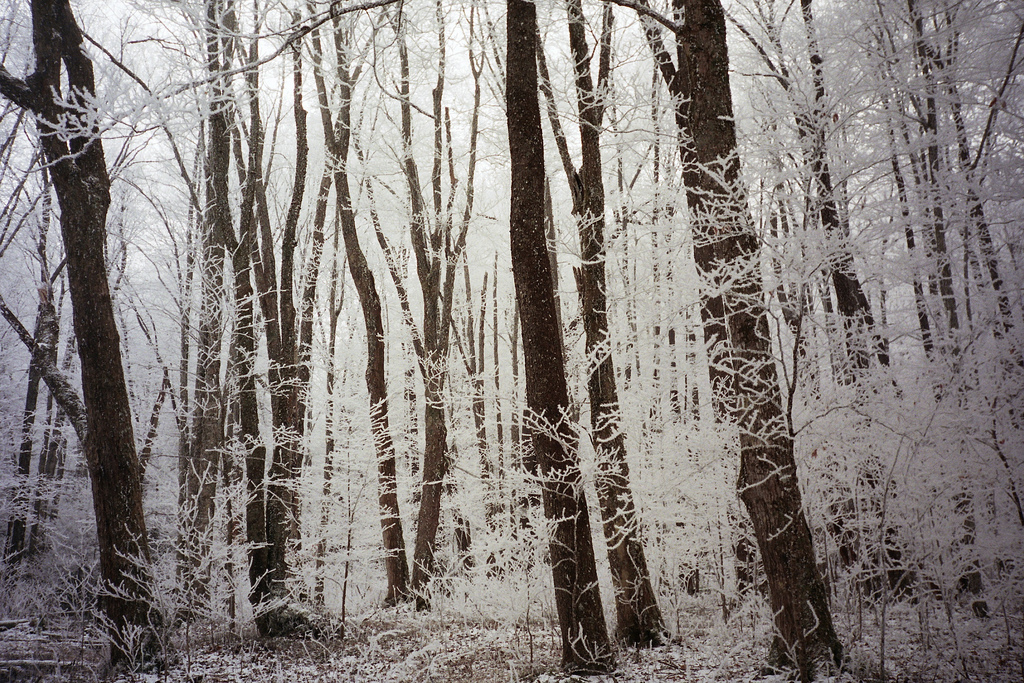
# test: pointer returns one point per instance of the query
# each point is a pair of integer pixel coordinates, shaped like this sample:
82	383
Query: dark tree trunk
428	245
243	360
395	562
286	461
63	404
51	471
249	265
152	431
376	385
585	644
46	336
638	617
932	170
79	173
202	464
850	298
743	373
437	254
475	368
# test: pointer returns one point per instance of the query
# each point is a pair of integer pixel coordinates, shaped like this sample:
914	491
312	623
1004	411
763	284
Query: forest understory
512	340
400	645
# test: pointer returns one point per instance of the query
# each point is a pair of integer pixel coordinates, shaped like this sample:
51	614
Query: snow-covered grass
399	645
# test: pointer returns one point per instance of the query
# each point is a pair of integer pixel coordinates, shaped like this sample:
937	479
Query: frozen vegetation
523	340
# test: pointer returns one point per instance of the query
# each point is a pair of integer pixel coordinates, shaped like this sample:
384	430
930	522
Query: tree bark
244	358
637	614
585	645
428	245
395	563
46	336
437	252
79	173
743	372
286	460
850	298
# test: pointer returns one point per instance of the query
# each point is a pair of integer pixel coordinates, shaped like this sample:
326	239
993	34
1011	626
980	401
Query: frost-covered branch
56	382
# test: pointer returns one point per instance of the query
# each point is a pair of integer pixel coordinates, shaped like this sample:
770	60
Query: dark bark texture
79	173
585	644
743	372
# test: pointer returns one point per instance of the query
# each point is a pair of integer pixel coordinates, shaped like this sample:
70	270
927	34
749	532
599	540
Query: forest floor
401	646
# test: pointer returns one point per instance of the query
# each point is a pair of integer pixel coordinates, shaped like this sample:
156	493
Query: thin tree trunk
499	426
146	452
395	562
933	171
337	303
822	203
45	353
585	645
850	298
286	462
637	614
428	248
207	436
244	341
437	255
474	356
51	472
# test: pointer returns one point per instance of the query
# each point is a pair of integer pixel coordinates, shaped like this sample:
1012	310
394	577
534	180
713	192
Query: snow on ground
399	645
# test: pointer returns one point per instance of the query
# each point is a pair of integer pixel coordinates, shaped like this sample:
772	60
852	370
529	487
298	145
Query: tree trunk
250	442
850	298
45	353
637	614
743	373
395	562
427	242
932	168
51	471
79	172
585	645
286	461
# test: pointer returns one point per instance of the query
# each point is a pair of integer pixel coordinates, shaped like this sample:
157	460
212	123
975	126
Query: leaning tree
70	139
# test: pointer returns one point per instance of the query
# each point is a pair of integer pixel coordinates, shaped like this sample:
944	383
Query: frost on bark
743	372
74	152
638	617
585	644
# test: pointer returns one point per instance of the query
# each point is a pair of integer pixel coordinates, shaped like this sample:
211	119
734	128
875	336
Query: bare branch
645	10
18	91
56	382
997	101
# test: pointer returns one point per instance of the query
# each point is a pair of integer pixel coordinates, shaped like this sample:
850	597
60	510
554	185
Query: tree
438	252
338	143
585	645
825	204
44	354
73	149
744	377
637	614
245	258
200	468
